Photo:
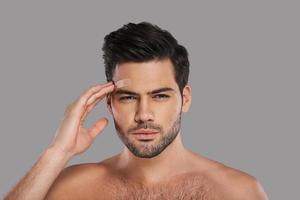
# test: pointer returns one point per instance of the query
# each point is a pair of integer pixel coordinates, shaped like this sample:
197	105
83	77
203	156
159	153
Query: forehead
147	75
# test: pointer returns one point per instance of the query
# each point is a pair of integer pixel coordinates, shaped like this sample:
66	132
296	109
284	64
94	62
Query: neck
175	159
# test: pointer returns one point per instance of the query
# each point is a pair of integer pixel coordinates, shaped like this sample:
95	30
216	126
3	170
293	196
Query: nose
143	112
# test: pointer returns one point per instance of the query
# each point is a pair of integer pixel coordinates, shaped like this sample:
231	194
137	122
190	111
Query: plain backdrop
244	76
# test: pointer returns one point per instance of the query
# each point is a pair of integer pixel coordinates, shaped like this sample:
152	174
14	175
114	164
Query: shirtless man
146	93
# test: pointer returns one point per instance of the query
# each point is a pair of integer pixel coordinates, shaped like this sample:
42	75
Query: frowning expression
151	102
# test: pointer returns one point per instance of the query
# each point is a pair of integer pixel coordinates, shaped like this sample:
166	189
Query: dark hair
144	42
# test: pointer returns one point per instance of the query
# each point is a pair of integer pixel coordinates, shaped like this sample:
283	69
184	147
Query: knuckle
81	101
94	88
92	99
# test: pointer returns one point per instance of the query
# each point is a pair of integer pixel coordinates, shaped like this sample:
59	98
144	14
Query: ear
108	103
186	98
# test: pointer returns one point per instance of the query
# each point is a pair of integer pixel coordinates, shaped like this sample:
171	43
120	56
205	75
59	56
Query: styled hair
144	42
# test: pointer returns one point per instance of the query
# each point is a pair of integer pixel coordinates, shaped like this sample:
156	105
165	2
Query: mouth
145	134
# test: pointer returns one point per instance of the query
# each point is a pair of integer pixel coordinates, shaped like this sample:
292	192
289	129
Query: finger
117	84
94	100
75	110
90	108
82	101
100	93
94	89
98	127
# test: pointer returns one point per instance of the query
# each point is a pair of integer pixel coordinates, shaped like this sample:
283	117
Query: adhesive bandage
122	83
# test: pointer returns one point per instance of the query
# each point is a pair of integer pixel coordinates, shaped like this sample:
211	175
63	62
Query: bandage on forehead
121	83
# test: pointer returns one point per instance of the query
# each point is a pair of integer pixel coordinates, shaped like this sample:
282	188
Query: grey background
244	75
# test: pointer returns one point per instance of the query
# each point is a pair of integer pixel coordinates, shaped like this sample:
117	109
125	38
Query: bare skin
71	138
173	173
176	173
107	180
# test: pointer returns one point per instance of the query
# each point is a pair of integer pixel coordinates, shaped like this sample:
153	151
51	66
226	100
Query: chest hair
188	188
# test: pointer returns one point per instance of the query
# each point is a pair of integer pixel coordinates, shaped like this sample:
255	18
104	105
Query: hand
72	137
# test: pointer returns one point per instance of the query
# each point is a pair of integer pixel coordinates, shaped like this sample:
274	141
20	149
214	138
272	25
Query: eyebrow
128	92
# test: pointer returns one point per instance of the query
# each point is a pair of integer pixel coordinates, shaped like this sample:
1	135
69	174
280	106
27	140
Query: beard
146	149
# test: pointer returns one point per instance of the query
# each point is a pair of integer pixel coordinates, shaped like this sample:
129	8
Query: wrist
59	153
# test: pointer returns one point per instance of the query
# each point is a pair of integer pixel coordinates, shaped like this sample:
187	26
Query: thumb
98	127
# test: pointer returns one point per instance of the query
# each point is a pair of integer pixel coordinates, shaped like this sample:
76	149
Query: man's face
151	99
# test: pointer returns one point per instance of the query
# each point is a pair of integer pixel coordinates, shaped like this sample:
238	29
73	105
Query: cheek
168	113
173	107
122	113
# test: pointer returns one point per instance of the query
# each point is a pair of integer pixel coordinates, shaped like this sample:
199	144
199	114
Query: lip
145	134
145	131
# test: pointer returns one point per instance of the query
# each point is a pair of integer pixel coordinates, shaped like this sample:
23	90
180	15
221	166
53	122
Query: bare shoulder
79	181
232	183
237	184
243	185
240	185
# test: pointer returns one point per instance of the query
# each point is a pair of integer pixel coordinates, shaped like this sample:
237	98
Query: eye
161	96
127	98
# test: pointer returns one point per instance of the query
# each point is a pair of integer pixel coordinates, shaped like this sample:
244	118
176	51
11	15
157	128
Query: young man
147	91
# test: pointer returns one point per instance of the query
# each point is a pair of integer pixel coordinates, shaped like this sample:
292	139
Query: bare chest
189	188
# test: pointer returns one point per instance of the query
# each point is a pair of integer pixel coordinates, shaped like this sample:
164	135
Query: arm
36	183
71	139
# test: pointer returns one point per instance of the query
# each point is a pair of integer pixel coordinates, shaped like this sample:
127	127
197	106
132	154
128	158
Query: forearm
36	183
